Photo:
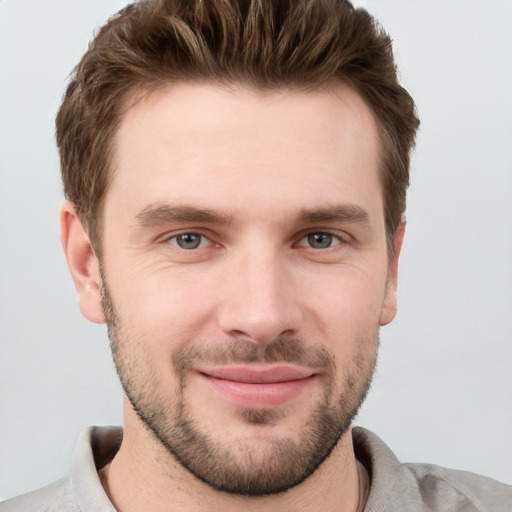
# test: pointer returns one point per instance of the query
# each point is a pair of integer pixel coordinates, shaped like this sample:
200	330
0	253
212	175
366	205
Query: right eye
189	241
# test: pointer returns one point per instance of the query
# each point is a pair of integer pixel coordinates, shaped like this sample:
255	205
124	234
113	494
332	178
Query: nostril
239	334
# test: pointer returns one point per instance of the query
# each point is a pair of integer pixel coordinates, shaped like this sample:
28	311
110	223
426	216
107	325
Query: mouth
258	388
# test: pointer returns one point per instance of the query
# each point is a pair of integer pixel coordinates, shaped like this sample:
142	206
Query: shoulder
445	489
83	489
399	487
55	497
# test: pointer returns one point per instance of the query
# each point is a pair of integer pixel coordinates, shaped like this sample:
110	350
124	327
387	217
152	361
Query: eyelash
336	239
177	236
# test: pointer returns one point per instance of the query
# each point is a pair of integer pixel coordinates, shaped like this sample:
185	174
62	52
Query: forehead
215	145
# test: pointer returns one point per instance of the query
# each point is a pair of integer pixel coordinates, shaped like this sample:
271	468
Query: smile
258	388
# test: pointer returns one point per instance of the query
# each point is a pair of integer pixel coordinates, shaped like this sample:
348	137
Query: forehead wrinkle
162	213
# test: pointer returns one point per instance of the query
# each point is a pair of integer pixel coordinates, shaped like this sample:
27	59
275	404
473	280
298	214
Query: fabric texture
394	487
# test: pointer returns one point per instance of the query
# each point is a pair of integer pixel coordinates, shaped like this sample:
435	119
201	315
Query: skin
259	161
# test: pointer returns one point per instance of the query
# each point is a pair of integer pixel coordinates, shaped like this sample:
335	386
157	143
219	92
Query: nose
259	302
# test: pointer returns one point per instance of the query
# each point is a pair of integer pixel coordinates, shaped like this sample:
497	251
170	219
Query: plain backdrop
443	388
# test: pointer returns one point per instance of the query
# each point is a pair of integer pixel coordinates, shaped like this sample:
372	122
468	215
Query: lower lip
259	395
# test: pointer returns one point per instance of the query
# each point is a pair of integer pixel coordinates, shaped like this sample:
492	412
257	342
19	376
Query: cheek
346	301
163	307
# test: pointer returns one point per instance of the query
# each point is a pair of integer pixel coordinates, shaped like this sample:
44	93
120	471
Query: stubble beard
242	468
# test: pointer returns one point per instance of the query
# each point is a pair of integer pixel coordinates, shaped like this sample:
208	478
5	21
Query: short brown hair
264	44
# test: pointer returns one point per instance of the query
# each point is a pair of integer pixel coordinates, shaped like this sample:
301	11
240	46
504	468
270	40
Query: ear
82	262
388	311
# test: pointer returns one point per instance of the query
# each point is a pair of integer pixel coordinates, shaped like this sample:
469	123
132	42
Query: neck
144	476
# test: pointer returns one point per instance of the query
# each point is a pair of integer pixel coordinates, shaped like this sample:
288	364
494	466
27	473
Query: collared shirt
394	487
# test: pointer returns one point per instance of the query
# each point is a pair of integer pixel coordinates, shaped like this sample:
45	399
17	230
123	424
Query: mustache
281	350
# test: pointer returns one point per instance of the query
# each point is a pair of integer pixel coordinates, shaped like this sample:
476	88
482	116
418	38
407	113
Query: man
236	179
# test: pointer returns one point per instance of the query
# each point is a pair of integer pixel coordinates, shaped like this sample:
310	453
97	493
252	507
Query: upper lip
254	375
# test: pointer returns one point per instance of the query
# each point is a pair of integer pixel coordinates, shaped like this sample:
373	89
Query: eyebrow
163	213
337	213
156	214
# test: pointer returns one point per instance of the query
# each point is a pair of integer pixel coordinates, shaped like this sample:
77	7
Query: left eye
320	240
189	241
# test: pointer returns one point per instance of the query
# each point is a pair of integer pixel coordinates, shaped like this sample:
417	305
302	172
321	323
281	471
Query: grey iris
320	240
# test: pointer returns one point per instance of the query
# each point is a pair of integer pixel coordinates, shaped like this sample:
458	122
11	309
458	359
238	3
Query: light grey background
444	384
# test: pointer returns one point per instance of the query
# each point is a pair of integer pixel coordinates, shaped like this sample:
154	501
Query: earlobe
389	305
82	262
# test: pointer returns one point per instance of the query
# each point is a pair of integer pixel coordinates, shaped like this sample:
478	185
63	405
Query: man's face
245	275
